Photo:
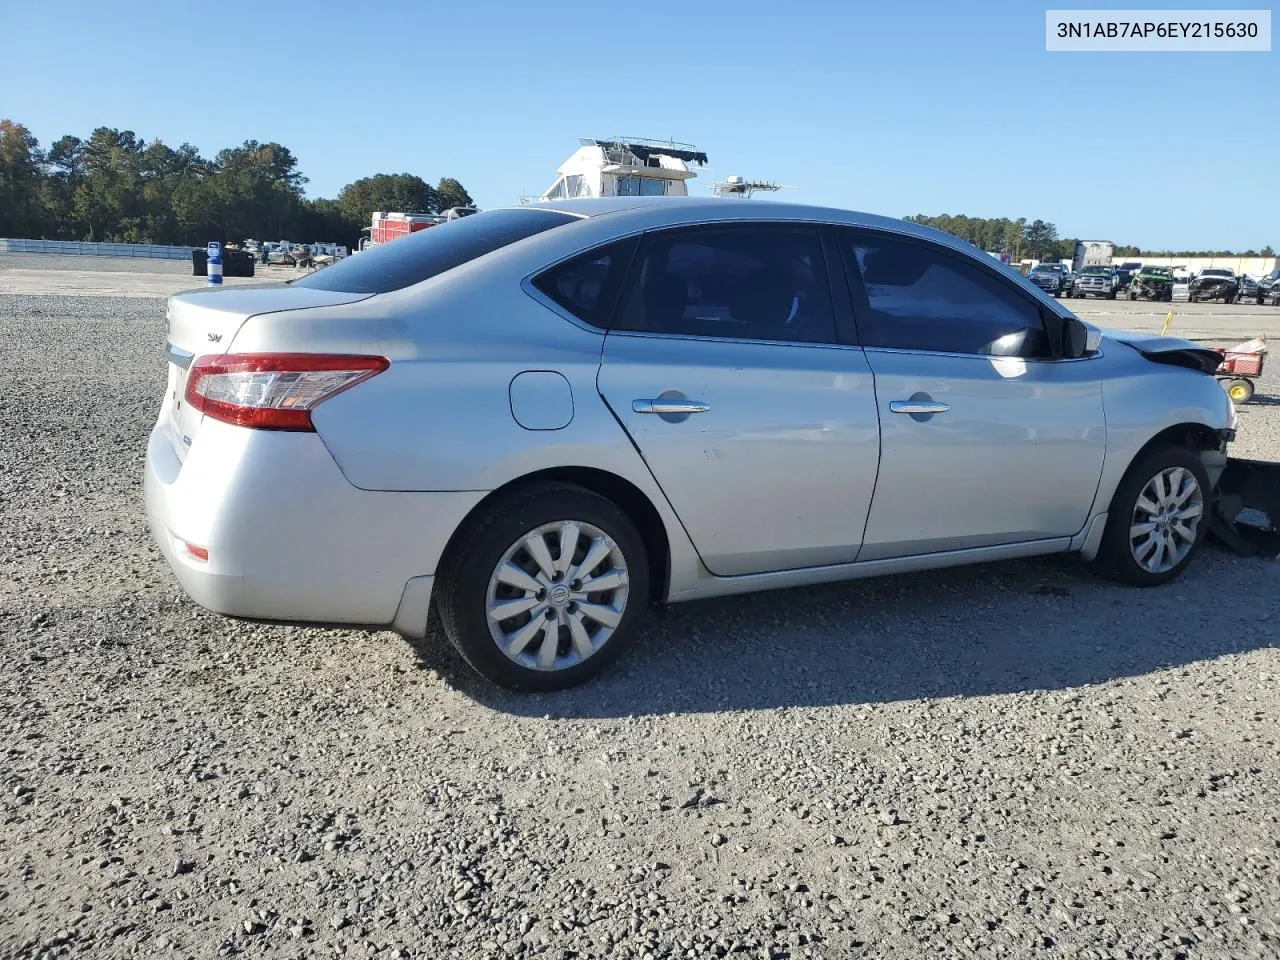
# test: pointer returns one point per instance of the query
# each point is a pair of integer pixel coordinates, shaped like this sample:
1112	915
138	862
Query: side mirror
1075	339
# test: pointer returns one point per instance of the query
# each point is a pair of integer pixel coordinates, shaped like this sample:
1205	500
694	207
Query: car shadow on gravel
994	629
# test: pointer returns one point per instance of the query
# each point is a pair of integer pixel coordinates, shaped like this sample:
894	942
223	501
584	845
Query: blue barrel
215	264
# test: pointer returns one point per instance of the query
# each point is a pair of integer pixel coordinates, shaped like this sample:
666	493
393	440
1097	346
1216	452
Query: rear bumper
288	537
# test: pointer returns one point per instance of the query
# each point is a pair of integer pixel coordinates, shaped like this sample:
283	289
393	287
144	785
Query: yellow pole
1168	319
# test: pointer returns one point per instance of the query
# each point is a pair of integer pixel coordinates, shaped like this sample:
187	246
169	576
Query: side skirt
710	586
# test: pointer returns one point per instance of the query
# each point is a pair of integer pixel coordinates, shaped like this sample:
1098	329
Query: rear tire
1111	295
1158	518
557	635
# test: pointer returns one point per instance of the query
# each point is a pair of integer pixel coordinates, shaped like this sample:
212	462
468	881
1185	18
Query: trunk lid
204	322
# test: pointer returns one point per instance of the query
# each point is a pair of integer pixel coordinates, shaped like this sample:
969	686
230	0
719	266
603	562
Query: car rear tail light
273	391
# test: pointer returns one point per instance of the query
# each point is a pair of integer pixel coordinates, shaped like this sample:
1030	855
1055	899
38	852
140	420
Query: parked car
1181	285
1214	283
1096	281
1248	288
1151	283
1124	276
1053	278
1269	288
651	402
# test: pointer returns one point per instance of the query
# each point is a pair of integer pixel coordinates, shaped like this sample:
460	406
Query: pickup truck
1095	281
1151	283
1052	278
1214	284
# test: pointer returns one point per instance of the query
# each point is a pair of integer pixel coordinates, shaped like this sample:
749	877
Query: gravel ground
1013	761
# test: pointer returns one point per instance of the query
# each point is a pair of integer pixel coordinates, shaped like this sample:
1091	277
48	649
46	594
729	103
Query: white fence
1253	266
78	248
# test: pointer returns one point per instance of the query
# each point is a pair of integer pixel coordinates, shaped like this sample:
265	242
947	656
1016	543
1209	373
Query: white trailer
1092	253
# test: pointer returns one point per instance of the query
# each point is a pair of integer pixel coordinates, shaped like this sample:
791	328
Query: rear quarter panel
439	418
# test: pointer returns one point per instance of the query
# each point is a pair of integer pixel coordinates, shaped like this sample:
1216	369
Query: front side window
922	297
749	281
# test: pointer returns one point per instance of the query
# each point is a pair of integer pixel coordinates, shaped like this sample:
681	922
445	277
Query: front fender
1142	400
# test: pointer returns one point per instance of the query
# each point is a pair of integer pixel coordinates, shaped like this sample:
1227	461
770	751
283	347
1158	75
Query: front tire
517	597
1158	518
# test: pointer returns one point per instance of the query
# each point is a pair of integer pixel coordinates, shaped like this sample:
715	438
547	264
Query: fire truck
386	227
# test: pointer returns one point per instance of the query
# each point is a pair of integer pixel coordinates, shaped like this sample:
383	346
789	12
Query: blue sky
893	108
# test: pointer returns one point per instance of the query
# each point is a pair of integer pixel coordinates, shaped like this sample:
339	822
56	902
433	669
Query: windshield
1096	271
1045	268
420	256
1216	273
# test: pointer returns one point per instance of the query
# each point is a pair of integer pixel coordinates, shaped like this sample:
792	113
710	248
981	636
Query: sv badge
215	338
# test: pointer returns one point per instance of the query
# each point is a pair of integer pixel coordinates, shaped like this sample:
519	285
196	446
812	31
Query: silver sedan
546	419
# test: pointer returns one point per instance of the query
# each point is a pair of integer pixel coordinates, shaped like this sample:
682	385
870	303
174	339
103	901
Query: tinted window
419	256
587	286
747	282
924	298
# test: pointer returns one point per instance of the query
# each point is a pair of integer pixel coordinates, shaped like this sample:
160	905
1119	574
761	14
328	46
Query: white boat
639	167
626	167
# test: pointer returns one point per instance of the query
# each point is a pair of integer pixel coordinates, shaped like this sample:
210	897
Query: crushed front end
1246	507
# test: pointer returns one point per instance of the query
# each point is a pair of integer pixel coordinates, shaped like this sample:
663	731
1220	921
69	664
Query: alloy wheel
1165	520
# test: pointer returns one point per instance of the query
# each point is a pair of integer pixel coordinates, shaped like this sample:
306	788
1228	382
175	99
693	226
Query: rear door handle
669	407
918	406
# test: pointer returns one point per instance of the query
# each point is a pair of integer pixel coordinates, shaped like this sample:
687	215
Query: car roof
624	215
658	212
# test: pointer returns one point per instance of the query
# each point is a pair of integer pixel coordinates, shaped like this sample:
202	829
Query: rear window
431	252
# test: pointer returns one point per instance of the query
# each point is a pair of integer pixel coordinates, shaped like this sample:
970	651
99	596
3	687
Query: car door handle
918	406
662	406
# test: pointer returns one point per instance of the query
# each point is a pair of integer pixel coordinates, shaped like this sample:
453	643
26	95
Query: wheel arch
1199	437
619	491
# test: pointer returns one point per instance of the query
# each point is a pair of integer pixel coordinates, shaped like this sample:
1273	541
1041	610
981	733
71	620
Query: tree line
115	186
1039	240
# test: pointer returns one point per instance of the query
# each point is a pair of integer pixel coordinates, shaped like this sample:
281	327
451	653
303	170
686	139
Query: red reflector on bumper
200	553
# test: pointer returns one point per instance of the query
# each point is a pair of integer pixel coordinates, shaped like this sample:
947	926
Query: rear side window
431	252
587	286
924	298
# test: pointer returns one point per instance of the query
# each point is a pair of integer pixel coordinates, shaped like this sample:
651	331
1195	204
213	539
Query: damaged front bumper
1246	507
1150	291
